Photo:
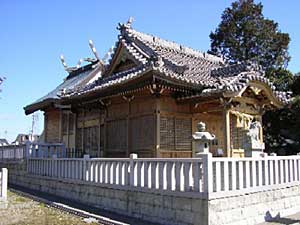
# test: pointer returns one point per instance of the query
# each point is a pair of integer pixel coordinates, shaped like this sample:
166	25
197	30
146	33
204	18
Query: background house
3	142
22	138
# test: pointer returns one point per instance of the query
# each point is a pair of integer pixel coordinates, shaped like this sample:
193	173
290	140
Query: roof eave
29	109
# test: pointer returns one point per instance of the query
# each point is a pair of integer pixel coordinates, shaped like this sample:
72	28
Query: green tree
245	34
281	129
295	86
282	78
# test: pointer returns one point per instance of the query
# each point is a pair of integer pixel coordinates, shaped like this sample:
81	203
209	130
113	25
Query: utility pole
35	118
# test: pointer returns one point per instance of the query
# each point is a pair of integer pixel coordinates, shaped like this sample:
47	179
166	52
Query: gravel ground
23	211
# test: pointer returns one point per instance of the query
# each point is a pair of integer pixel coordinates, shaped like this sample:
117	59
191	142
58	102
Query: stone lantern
202	139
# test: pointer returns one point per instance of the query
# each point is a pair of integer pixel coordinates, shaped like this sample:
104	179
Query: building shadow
280	220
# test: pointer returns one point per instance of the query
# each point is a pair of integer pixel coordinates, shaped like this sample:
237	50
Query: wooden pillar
68	128
194	129
75	132
45	126
128	130
157	127
82	131
99	135
105	133
60	126
227	133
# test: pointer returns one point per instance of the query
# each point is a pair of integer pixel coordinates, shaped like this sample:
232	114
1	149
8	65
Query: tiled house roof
75	81
207	74
179	63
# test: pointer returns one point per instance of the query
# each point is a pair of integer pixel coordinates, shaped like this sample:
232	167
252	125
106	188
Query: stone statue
253	145
254	131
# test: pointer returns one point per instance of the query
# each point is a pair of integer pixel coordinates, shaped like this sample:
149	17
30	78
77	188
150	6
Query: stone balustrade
30	149
204	176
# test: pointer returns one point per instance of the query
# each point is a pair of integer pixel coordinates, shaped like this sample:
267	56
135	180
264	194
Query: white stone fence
3	184
205	177
236	176
30	149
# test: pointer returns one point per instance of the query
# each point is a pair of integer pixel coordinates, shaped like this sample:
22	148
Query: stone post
54	165
133	156
86	157
202	140
207	172
4	179
27	150
63	151
15	152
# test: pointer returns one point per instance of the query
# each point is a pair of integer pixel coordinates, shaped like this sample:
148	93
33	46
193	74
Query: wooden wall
145	124
215	125
178	122
52	126
88	128
68	131
130	126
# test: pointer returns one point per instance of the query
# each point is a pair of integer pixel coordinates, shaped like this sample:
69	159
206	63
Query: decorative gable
121	61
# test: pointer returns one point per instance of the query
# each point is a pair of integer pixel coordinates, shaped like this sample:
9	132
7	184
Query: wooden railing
3	184
205	176
36	150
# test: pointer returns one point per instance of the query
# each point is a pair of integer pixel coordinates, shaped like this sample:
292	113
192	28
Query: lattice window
183	133
167	133
238	135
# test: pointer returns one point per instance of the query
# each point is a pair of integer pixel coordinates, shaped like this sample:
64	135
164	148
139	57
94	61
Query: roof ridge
173	45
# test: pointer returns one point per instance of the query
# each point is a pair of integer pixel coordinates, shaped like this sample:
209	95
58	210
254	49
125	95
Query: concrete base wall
254	208
164	208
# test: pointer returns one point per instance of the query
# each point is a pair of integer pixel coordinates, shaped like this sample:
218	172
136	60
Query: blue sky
34	33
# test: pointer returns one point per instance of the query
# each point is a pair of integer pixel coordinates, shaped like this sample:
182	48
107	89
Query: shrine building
149	97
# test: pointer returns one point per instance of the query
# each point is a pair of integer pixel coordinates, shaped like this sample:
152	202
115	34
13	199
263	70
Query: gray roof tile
181	63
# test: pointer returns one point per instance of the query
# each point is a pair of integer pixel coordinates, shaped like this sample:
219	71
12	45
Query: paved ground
289	220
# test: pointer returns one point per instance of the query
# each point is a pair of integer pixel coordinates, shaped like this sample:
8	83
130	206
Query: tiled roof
74	82
180	63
